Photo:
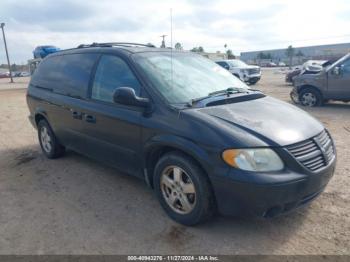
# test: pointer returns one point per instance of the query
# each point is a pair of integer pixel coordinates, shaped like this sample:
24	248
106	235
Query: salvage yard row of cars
317	82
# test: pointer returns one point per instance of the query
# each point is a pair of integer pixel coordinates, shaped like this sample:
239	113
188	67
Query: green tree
178	46
14	67
290	51
198	49
299	55
260	55
230	54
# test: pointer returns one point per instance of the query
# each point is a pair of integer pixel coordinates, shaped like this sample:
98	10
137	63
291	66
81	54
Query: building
301	54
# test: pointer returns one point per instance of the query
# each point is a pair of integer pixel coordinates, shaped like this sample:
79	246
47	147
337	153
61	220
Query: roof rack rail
125	44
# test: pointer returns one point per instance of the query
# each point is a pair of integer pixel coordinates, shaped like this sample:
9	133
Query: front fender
205	156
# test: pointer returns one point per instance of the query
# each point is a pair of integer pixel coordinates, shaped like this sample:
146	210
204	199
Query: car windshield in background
185	76
237	63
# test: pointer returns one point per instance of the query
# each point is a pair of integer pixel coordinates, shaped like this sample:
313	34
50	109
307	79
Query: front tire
183	189
48	141
310	97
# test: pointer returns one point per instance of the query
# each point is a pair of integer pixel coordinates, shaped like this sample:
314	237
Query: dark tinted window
223	64
47	72
346	67
66	74
112	72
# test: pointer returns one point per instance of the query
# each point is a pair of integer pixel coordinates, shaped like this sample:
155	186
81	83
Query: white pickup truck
247	73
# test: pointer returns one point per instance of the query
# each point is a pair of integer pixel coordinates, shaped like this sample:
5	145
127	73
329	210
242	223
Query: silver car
330	83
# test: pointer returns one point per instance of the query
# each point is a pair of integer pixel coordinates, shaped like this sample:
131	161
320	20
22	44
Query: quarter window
112	72
65	74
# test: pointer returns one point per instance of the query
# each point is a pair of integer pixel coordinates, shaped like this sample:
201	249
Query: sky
247	25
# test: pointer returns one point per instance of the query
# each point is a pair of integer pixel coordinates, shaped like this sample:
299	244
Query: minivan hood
276	122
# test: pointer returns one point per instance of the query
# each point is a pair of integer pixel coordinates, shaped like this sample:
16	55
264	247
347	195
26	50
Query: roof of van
111	47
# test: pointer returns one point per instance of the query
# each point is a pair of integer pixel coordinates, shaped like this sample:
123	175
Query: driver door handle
77	115
90	119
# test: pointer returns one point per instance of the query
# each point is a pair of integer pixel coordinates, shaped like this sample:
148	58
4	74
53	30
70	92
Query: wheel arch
160	145
303	87
39	116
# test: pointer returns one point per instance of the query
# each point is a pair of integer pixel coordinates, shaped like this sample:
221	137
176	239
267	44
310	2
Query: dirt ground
74	205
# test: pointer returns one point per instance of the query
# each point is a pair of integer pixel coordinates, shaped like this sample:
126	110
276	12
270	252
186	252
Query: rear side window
67	74
112	72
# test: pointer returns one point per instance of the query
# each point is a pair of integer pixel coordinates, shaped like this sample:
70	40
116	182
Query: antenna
163	41
171	47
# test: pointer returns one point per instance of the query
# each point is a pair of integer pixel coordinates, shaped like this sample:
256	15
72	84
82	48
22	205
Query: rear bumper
271	197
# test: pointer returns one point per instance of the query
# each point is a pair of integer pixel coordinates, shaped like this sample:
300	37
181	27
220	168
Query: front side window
112	72
180	77
346	67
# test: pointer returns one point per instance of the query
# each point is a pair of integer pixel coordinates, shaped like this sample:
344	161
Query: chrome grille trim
252	71
314	153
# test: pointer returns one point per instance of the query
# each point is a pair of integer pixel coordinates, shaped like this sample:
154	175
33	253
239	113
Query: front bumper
251	78
294	96
271	196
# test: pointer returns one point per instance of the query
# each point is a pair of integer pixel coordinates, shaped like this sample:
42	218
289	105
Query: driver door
339	81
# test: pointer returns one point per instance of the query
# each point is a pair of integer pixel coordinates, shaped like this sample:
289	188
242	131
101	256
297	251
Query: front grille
253	71
314	153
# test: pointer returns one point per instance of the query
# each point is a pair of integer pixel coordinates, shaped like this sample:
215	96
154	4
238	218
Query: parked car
4	74
201	138
43	51
247	73
282	64
309	67
24	74
292	73
327	82
271	64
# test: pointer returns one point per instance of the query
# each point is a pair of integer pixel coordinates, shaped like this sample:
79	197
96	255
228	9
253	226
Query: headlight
255	159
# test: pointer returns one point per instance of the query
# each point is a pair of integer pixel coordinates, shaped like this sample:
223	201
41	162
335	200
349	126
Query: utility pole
163	41
7	54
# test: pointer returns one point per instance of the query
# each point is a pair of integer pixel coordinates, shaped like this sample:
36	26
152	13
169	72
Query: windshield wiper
227	91
230	90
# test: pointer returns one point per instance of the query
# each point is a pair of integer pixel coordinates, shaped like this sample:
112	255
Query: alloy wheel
308	99
45	139
178	190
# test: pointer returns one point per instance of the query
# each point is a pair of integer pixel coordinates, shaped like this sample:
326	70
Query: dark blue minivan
202	139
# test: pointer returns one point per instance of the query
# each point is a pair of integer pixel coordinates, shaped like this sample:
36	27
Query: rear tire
310	97
48	141
187	199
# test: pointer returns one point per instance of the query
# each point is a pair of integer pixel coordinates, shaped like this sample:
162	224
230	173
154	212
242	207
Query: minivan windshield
181	77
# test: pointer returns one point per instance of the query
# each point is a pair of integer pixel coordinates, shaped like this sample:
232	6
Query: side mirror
127	96
336	70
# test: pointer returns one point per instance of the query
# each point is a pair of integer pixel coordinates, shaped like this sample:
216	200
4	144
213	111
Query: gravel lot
74	205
